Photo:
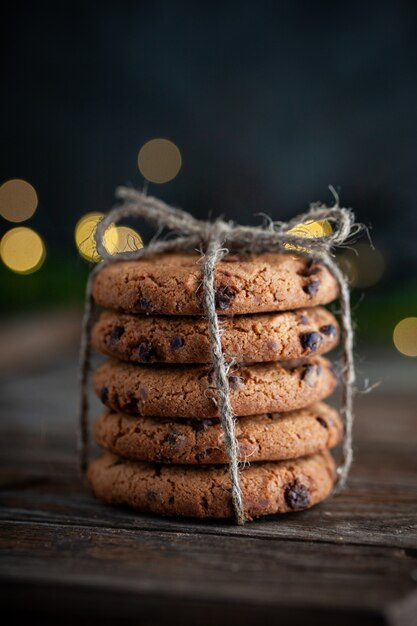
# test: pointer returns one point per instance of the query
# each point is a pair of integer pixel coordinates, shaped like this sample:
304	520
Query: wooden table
66	558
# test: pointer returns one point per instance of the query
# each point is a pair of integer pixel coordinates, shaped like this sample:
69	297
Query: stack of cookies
163	441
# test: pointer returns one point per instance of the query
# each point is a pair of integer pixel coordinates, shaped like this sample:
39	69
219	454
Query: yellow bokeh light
116	238
405	336
363	265
159	160
18	200
127	240
22	250
310	230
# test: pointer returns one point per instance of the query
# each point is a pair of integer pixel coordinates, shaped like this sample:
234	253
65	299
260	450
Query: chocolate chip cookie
268	437
190	391
172	284
204	491
246	338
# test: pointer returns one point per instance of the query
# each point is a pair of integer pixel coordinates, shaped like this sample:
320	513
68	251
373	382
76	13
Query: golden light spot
18	200
128	240
362	265
405	336
310	230
159	160
116	238
22	250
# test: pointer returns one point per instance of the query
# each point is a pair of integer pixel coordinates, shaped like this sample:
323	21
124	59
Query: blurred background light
405	336
127	240
159	160
309	230
18	200
116	238
363	265
22	250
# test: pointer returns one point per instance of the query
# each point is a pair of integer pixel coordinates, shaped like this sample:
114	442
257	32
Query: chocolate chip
211	377
144	304
236	382
143	394
231	258
310	271
329	330
176	343
202	424
224	296
296	495
161	458
131	405
151	495
172	438
272	345
312	287
309	374
311	341
116	333
145	352
303	319
104	394
322	422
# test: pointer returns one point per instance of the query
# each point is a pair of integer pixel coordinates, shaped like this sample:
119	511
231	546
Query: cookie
204	491
268	437
189	390
246	338
172	284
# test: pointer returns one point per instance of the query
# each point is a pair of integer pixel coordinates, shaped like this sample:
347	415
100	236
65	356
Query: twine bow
215	240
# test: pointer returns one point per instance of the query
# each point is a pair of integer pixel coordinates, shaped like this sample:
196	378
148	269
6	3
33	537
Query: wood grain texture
65	557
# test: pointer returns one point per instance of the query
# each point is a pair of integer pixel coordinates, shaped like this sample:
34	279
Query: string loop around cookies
216	239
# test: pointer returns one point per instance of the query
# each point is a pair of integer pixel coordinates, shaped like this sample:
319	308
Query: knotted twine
214	240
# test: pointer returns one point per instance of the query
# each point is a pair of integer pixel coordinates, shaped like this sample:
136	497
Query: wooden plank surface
66	557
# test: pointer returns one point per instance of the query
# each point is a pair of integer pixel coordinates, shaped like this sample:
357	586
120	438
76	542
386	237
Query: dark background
269	103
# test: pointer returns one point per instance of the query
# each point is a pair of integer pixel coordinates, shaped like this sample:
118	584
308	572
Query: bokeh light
159	160
18	200
22	250
310	230
405	336
116	238
363	265
127	240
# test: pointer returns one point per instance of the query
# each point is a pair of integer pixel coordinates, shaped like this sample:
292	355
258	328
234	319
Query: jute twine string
215	240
